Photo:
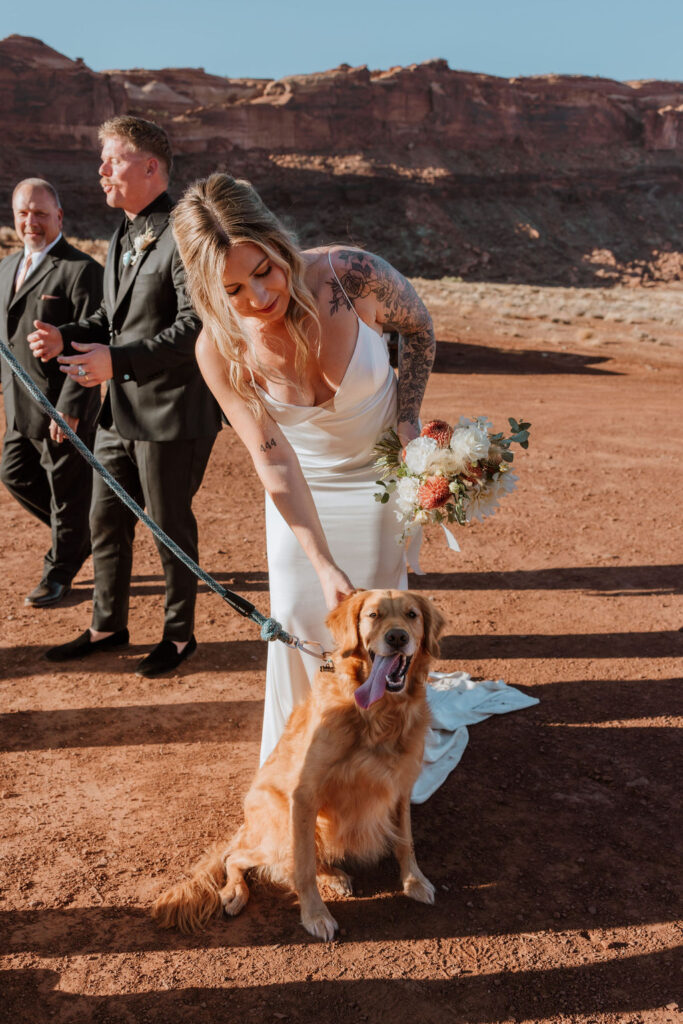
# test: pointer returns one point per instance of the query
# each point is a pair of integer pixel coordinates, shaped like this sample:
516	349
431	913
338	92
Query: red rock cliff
561	178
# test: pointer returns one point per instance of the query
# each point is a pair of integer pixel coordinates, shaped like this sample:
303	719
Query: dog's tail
190	905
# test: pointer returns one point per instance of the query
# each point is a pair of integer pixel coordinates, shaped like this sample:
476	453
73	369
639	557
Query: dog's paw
419	888
320	923
234	898
338	881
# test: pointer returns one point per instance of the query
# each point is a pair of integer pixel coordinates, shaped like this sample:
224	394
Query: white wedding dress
334	443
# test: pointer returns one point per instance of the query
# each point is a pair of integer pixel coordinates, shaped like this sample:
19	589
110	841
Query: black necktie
126	247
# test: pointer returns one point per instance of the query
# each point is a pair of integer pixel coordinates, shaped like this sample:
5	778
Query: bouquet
448	474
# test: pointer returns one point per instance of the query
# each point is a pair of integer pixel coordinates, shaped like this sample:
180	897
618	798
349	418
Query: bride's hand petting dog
338	784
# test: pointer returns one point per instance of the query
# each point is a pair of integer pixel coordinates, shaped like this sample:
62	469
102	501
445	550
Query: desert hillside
550	179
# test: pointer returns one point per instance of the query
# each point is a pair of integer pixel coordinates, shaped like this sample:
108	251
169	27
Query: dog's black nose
396	637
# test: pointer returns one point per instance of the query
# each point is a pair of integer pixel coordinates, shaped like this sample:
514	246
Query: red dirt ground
553	846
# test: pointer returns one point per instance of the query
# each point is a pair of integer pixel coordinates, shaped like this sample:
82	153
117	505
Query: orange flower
439	431
434	492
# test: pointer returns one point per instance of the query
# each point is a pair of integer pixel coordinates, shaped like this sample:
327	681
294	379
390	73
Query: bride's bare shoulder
318	262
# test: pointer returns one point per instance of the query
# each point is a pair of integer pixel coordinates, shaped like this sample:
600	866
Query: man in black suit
159	421
48	279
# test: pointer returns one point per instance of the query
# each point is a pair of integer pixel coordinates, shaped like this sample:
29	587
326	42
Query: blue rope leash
270	628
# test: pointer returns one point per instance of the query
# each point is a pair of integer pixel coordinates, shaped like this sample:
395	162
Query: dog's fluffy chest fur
360	791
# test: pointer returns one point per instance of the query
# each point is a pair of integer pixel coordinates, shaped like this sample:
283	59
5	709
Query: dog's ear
343	622
434	623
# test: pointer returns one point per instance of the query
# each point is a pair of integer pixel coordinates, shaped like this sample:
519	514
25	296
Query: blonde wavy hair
213	215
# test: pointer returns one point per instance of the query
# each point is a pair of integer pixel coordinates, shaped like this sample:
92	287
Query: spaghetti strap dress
334	443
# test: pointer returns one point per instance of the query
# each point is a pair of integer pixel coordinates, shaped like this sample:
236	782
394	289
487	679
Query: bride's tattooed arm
365	275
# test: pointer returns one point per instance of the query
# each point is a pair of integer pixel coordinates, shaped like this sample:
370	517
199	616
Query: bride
292	349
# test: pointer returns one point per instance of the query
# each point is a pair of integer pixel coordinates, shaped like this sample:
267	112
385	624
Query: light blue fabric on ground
456	701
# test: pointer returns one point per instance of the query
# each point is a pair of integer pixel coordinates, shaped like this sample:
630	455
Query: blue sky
622	39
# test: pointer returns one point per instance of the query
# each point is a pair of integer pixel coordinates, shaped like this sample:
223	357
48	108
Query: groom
158	421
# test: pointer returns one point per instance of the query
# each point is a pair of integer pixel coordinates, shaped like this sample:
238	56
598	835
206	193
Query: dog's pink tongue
374	686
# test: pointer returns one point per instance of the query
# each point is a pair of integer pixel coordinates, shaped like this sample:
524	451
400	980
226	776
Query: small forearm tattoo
404	312
268	445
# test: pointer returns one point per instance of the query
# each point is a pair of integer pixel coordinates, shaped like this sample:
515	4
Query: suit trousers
162	476
54	483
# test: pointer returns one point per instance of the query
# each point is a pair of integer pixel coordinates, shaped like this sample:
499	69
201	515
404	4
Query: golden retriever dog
338	784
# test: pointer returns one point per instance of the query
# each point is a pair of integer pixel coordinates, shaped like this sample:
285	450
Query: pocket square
44	297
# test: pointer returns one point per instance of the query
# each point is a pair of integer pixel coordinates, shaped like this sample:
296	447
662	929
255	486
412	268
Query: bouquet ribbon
415	544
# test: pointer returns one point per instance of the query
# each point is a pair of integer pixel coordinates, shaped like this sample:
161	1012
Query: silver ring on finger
81	371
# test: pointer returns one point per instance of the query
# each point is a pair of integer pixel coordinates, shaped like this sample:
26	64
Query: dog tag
326	666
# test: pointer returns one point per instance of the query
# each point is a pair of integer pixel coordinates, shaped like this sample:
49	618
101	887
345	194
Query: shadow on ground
459	357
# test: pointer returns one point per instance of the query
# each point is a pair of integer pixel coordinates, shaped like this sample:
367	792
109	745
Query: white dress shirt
36	259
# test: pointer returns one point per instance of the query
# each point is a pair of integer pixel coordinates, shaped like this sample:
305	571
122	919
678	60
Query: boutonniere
140	243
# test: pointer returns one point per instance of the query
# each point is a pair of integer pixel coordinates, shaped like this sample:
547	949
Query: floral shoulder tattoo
365	274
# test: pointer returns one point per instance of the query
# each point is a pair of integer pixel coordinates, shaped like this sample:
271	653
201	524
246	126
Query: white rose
469	444
406	494
419	453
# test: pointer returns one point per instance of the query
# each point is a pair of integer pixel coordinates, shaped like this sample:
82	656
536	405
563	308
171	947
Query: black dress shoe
46	593
84	645
163	658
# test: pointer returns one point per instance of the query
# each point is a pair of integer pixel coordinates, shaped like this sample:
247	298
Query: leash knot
270	629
